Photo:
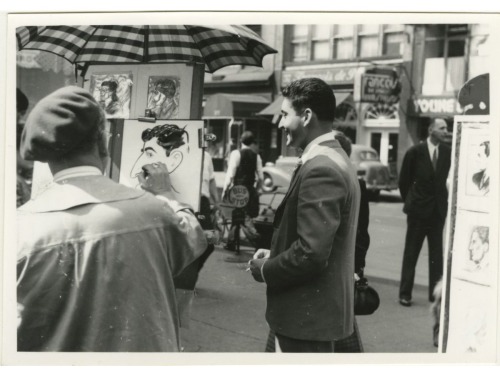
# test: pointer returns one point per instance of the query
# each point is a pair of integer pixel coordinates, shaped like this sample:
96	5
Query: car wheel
268	183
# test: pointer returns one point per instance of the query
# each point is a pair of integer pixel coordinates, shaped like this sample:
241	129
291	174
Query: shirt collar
431	146
330	136
74	172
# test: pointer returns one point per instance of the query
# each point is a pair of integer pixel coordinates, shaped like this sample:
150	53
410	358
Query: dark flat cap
59	123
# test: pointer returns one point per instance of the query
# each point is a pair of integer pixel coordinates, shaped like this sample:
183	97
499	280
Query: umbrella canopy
215	46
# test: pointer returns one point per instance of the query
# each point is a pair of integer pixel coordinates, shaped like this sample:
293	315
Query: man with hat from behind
95	268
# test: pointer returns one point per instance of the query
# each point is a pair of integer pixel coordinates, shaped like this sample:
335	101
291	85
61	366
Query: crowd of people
111	268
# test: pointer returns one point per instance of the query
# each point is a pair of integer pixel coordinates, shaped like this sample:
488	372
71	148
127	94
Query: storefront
425	108
377	96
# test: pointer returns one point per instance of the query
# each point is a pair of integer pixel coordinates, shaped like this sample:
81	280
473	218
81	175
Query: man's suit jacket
423	190
309	275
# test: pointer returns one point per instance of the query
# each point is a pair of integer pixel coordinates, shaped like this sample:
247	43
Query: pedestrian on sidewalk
422	183
309	269
96	259
245	168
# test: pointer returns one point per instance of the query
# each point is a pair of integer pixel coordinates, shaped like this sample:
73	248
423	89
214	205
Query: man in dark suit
309	269
422	183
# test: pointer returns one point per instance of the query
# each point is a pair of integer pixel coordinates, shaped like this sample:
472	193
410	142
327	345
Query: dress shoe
405	302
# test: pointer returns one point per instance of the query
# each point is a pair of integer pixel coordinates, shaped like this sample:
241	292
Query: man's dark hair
247	138
312	93
22	101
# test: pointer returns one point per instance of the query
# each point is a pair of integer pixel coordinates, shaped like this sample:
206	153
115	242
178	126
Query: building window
394	38
300	35
343	42
479	47
368	40
444	59
321	42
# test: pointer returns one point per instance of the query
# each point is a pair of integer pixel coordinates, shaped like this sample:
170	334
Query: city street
228	310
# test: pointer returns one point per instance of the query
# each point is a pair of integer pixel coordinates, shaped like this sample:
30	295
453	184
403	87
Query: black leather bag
366	299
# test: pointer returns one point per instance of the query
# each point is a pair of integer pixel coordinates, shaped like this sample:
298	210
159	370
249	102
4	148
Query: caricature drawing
481	178
163	97
479	245
113	93
161	144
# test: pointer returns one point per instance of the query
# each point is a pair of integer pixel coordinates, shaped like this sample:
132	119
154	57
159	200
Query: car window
368	156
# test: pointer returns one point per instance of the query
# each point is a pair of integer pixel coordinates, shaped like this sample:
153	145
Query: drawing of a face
479	244
161	144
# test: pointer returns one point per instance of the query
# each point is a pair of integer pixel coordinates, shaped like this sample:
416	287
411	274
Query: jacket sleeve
186	237
322	194
406	174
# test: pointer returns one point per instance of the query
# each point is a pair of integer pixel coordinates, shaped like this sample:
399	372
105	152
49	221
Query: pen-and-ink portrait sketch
478	174
113	93
174	143
163	96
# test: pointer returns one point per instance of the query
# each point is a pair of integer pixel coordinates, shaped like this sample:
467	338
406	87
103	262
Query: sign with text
332	76
435	106
380	88
239	196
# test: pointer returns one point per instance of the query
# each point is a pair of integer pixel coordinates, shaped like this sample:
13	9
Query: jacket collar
80	190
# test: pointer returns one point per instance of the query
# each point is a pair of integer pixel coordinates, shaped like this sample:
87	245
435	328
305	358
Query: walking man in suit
422	183
309	269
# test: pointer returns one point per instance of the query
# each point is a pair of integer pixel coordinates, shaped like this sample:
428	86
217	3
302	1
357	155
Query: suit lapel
281	207
279	211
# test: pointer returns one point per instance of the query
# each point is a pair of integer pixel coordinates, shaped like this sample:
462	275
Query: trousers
293	345
417	230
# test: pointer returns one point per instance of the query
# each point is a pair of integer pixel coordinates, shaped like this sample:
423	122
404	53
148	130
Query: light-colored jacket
95	267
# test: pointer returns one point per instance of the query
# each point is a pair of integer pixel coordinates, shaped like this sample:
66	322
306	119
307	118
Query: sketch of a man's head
161	144
108	90
167	87
484	149
479	244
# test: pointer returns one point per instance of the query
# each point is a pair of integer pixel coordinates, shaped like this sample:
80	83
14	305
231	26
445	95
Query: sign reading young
436	106
380	88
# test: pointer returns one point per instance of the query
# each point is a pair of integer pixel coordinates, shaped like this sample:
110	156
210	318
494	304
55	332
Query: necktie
435	159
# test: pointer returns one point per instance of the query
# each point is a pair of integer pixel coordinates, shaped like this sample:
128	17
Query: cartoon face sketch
161	144
479	245
481	178
113	93
163	97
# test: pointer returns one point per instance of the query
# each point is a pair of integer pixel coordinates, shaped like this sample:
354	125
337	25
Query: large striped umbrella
215	46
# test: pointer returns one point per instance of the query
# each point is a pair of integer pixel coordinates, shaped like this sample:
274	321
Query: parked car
364	158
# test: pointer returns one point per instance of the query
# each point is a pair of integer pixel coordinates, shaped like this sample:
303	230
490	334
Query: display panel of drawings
163	97
472	318
174	143
113	92
472	260
474	166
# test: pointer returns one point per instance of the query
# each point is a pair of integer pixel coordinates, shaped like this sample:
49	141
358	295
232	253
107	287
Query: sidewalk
228	314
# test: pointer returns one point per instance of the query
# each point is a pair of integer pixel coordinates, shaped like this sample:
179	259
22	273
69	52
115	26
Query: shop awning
275	107
234	105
